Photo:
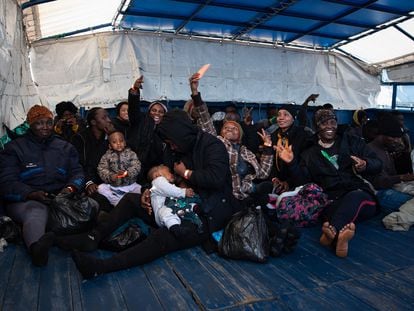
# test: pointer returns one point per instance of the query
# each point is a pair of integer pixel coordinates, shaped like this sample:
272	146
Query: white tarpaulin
99	69
17	92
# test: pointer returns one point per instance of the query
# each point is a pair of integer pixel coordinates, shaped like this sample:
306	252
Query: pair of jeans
391	200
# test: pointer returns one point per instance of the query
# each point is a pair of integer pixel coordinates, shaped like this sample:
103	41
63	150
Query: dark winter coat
90	152
207	157
300	139
142	137
315	167
29	164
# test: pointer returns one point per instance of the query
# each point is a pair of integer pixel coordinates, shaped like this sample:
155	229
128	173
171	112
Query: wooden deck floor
377	275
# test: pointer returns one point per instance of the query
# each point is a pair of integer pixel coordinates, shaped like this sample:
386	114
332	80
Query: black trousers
355	206
159	242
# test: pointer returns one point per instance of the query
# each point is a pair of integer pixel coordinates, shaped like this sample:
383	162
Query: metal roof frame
290	23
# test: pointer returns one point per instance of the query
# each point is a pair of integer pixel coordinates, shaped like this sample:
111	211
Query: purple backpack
302	208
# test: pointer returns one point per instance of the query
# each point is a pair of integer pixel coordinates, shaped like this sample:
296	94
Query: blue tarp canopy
318	24
365	29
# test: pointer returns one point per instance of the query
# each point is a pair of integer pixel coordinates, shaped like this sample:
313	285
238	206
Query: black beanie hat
390	126
289	108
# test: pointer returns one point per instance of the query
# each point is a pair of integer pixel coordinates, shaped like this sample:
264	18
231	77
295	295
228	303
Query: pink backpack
303	207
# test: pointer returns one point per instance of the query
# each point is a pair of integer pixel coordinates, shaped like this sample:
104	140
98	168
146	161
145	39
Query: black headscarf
65	106
177	127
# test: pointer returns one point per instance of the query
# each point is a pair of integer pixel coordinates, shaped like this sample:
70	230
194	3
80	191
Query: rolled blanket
401	220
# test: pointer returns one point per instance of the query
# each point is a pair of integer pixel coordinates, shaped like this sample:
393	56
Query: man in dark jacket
31	168
91	144
202	160
387	141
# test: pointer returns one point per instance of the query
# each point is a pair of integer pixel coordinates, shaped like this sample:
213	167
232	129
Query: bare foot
328	234
344	236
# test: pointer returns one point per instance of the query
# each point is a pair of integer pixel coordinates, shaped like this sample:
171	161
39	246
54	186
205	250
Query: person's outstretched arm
134	101
200	107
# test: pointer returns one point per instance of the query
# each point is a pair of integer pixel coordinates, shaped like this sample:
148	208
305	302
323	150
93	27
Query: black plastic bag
9	230
246	236
72	213
283	237
129	234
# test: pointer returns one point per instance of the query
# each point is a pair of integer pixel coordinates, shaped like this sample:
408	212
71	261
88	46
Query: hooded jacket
207	157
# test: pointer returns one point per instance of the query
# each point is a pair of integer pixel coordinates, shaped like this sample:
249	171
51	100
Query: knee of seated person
38	208
159	233
161	237
164	212
131	198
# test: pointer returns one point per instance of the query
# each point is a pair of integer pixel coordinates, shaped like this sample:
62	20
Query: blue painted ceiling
316	24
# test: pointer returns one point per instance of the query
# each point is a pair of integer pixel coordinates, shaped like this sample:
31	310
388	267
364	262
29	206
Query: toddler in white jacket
162	181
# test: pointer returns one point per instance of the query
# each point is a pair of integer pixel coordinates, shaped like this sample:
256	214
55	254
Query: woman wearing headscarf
121	120
359	119
142	137
336	162
31	168
67	121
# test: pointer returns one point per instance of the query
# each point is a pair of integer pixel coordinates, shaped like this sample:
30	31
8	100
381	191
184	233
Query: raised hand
311	98
194	81
267	140
247	115
284	153
138	83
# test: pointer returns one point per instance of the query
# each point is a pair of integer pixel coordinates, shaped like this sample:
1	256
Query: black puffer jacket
30	164
90	152
207	157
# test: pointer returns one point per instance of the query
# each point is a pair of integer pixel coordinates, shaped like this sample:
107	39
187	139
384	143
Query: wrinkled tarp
17	92
98	70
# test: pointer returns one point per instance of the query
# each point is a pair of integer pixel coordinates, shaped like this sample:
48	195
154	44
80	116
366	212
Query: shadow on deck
377	275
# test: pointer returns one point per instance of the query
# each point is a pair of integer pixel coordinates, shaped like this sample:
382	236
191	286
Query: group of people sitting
140	164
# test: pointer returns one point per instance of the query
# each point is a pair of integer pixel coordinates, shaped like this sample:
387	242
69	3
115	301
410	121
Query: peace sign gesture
267	140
